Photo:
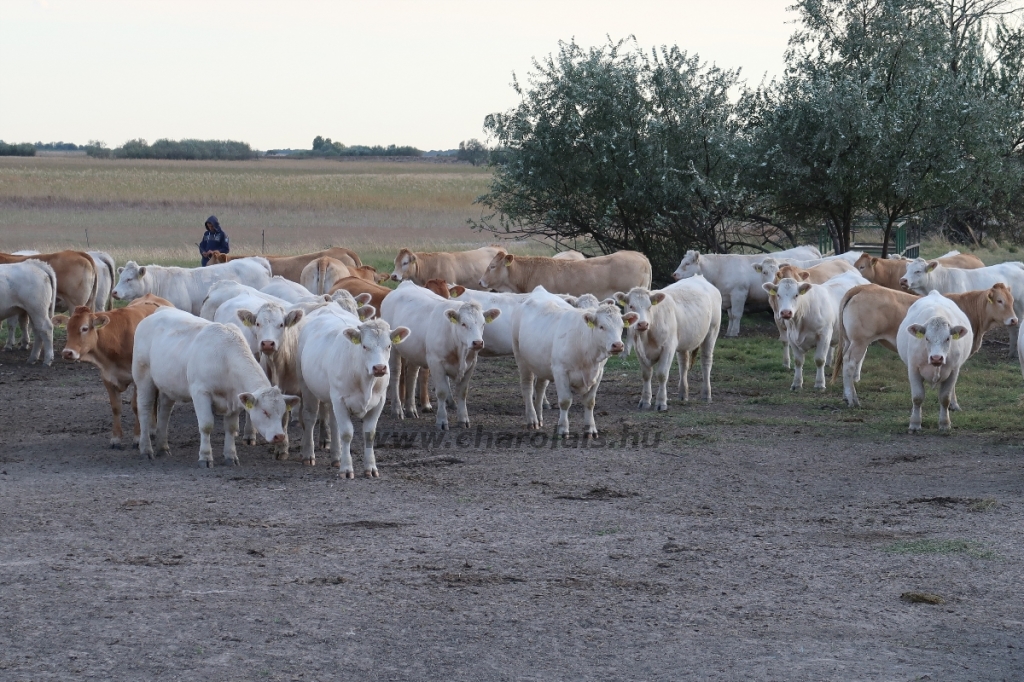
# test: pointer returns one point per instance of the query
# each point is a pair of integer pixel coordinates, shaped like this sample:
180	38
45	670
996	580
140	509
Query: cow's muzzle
268	347
617	348
478	344
643	326
904	284
380	370
279	438
937	360
395	277
1012	322
69	354
786	314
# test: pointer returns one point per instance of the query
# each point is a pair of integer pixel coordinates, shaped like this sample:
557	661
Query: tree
473	151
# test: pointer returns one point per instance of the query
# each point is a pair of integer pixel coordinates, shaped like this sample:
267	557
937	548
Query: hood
213	221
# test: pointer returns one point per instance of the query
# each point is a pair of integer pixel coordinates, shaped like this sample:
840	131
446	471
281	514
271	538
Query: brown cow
459	267
290	267
871	312
816	274
320	275
602	276
888	272
77	279
107	340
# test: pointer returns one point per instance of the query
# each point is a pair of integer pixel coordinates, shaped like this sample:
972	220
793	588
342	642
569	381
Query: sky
276	74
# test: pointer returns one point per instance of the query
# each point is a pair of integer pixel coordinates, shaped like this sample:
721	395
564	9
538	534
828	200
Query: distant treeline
192	150
24	149
324	147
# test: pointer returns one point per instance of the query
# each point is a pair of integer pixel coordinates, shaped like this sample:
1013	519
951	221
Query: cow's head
217	257
347	301
865	265
364	272
374	339
131	282
405	266
587	301
468	320
938	335
917	278
266	408
768	267
792	272
639	301
269	324
606	323
688	267
496	276
439	287
787	292
999	306
83	325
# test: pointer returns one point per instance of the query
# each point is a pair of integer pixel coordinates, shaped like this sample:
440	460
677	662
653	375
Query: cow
816	274
106	340
554	342
77	281
769	267
934	340
106	273
871	312
734	277
675	321
344	364
923	276
889	272
290	267
19	321
601	276
459	267
569	255
320	275
186	288
183	358
29	289
446	338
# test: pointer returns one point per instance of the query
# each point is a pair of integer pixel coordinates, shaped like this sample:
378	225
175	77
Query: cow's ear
991	298
142	271
381	277
629	318
399	334
291	401
366	312
364	298
590	319
352	334
571	300
770	288
611	301
804	288
957	331
874	259
456	291
932	264
292	318
453	315
248	400
509	258
491	315
120	270
657	297
59	319
246	316
620	298
100	321
412	257
804	276
327	298
917	330
758	267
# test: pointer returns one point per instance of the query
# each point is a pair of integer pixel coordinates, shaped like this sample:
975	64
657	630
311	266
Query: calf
601	276
675	321
29	289
934	340
187	288
810	315
555	342
459	267
290	267
106	340
889	273
446	337
184	358
344	364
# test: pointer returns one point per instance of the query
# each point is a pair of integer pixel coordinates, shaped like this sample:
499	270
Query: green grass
972	549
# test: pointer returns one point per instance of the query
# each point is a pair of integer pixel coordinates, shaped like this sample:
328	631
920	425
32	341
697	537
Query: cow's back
455	267
601	276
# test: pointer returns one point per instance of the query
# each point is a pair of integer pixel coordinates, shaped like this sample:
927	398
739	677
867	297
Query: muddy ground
725	549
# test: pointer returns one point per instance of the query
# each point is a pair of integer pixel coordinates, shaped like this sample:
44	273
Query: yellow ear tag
990	299
919	335
956	336
355	339
396	339
771	293
249	404
454	294
453	320
590	324
625	325
247	323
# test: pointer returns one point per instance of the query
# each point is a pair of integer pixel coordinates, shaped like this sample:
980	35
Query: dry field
770	535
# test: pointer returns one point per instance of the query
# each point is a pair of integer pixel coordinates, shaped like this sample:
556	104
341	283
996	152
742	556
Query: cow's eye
281	326
265	413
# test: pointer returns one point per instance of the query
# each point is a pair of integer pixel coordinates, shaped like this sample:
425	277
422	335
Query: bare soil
724	549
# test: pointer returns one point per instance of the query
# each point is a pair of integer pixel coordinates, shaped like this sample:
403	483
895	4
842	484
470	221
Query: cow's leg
853	358
441	389
540	399
1014	331
661	370
707	359
26	331
954	404
737	299
135	412
798	367
917	399
784	340
326	432
685	359
821	352
342	431
114	396
164	405
12	323
310	409
589	400
412	373
203	405
527	383
146	397
461	393
230	433
395	386
564	390
646	375
369	434
947	391
249	435
423	381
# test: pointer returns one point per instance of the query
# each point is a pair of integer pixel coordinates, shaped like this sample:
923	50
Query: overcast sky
276	74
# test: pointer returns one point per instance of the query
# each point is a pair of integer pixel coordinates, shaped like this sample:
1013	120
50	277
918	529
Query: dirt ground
723	549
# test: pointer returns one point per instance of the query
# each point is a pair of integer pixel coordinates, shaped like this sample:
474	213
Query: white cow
446	338
183	358
286	289
555	342
733	275
187	288
677	320
343	364
934	340
923	276
29	289
106	273
20	321
497	334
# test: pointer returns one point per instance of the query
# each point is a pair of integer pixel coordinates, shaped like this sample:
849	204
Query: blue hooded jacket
214	240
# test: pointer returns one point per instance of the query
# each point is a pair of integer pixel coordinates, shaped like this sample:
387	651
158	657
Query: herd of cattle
265	335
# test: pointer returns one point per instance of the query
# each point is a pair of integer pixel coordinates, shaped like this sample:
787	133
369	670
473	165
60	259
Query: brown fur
888	272
818	274
76	275
602	276
290	267
459	267
321	276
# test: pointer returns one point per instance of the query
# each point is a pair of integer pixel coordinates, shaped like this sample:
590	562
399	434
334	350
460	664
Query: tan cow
888	272
602	276
569	255
77	279
106	340
320	275
459	267
817	274
872	313
290	267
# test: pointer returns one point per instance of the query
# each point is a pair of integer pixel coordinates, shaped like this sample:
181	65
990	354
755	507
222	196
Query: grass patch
971	549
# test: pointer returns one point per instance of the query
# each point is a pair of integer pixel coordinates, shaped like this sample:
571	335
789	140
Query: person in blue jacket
214	240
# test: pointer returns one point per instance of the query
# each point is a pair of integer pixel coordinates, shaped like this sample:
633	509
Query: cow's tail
52	277
108	262
95	284
837	364
321	275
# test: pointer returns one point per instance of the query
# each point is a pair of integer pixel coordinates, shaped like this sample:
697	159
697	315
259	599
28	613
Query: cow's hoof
230	462
914	430
642	405
662	408
443	426
309	462
115	444
249	441
372	473
464	425
945	430
205	464
281	456
428	409
147	456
